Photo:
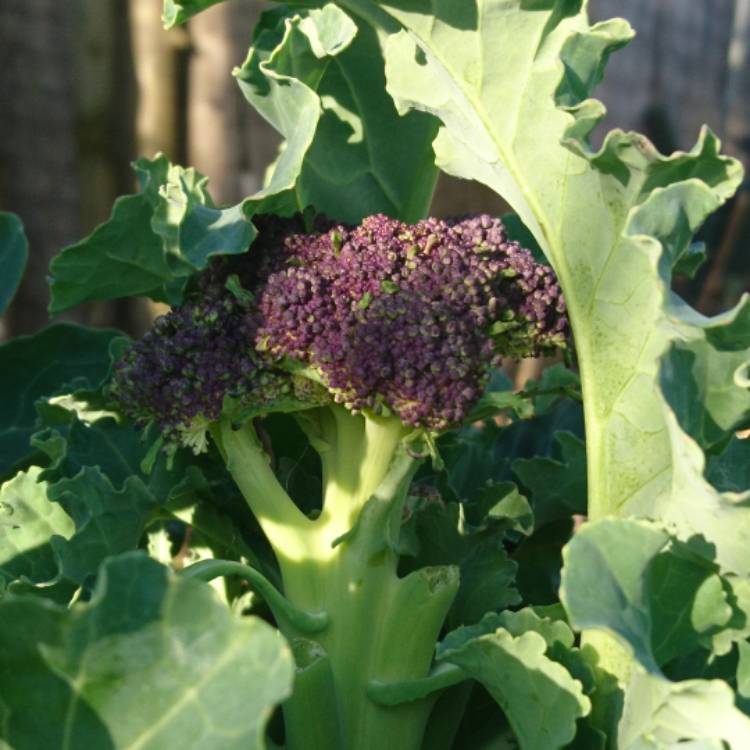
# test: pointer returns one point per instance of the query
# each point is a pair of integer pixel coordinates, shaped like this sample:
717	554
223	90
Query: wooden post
38	147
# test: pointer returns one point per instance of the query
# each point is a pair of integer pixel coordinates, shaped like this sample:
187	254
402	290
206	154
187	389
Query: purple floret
392	317
179	373
410	318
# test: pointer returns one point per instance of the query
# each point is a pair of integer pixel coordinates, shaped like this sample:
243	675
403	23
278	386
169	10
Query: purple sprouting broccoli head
406	319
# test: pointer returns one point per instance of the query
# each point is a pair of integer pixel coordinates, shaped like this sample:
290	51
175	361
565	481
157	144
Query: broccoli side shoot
386	317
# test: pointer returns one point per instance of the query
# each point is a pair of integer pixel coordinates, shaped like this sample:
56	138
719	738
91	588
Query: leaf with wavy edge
284	67
707	389
663	715
317	77
101	521
612	222
60	359
540	698
152	242
632	579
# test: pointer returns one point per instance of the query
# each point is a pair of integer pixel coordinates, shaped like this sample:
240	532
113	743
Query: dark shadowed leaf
557	486
14	250
729	471
62	358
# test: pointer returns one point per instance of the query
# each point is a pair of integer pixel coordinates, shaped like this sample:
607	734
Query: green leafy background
370	98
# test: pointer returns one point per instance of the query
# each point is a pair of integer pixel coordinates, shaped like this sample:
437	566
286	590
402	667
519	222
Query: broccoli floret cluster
410	317
389	317
179	373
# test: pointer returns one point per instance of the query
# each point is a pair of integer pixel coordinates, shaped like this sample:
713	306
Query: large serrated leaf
511	83
151	663
14	251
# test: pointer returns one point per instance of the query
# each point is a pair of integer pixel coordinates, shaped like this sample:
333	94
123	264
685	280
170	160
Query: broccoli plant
376	337
306	510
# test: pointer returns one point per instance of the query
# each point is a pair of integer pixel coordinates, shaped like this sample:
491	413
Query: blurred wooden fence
687	66
87	85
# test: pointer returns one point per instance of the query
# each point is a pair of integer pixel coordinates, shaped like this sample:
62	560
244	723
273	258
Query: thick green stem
312	718
382	628
359	450
613	656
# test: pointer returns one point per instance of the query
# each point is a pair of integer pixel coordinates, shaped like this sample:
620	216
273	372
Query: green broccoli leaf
487	583
469	535
524	134
513	665
499	397
706	384
194	490
284	67
539	559
738	628
663	715
692	259
118	451
28	522
629	578
14	251
176	13
151	662
60	359
105	522
317	77
108	521
153	241
557	487
714	523
729	471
